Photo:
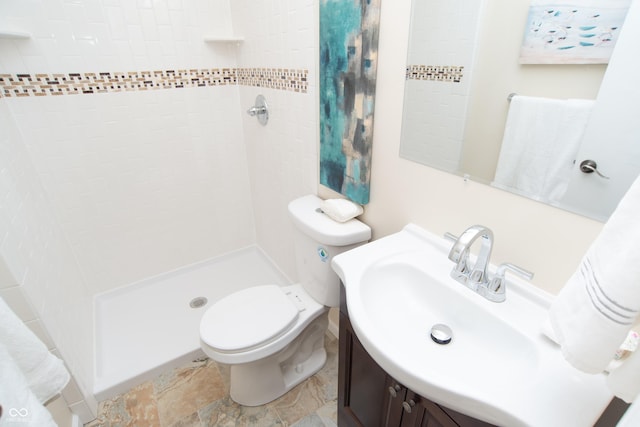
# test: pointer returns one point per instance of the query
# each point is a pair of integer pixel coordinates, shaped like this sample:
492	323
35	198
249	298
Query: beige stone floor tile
328	375
329	413
181	392
312	420
225	372
226	413
192	420
136	408
197	395
303	399
141	406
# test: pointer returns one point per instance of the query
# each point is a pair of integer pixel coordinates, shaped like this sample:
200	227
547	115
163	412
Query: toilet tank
318	238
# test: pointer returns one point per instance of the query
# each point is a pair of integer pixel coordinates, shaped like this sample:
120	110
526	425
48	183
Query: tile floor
197	395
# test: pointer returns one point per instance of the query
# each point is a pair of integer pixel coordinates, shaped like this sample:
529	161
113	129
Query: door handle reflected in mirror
590	166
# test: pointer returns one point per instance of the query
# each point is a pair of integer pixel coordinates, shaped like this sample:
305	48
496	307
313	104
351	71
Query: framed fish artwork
572	31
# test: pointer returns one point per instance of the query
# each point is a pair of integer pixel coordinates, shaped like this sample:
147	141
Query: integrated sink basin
498	366
419	302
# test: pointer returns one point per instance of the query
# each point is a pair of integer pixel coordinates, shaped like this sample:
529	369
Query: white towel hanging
541	139
46	375
593	313
20	407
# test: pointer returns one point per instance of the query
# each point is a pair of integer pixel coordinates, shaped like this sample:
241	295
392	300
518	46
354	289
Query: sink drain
198	302
441	334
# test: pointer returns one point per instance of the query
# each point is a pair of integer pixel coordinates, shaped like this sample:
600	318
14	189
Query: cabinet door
420	412
394	398
361	382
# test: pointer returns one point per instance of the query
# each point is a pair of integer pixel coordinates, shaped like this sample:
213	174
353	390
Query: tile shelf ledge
7	34
223	39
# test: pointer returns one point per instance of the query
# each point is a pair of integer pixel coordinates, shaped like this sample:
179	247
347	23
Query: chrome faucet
463	272
477	277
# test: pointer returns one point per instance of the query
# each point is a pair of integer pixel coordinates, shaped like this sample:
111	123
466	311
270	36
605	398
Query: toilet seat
248	319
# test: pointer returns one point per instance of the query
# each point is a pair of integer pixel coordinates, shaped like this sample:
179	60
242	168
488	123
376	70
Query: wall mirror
462	67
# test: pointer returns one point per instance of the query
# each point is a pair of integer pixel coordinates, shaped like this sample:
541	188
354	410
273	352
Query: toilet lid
248	318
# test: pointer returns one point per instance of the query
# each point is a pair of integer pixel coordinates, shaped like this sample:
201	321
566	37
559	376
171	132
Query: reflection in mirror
462	66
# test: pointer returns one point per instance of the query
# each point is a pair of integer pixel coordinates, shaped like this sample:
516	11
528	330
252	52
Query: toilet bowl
271	347
273	336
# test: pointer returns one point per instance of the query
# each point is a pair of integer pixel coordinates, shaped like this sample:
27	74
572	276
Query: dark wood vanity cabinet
361	382
406	408
369	397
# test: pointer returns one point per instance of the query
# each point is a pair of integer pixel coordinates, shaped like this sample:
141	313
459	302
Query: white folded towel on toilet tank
595	310
341	210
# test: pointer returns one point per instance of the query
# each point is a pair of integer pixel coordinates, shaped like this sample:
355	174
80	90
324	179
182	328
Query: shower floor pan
150	326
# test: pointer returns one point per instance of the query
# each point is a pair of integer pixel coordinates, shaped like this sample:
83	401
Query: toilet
273	336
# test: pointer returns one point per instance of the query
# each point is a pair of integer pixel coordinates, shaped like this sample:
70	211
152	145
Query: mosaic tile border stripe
445	73
55	84
274	78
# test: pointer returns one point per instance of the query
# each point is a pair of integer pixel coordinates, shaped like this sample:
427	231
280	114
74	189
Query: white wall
105	189
39	275
283	156
140	180
113	35
443	34
136	183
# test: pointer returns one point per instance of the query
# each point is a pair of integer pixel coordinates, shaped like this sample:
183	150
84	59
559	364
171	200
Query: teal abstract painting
348	62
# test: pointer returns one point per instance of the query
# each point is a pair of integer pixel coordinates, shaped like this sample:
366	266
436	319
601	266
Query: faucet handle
502	269
496	289
450	236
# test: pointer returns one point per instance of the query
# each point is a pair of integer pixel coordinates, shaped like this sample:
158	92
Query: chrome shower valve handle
260	110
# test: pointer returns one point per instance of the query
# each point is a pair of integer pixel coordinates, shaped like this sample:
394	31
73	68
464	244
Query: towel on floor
595	310
20	407
45	374
541	140
341	210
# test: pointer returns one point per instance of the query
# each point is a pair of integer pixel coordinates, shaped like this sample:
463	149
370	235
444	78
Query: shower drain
198	302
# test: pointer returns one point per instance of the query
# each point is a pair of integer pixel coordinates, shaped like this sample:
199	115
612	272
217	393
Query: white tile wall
142	181
276	32
283	164
6	278
113	35
442	34
101	190
18	303
283	157
130	184
41	280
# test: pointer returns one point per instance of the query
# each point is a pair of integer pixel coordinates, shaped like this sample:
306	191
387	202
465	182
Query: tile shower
121	182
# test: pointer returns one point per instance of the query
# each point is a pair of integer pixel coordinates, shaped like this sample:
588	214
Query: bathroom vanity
496	367
368	396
